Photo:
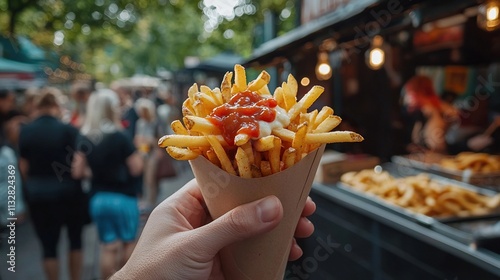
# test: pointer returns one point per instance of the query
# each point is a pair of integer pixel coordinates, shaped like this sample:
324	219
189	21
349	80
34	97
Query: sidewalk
28	251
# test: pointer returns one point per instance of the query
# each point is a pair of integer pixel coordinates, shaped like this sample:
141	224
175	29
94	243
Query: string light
375	56
488	16
323	68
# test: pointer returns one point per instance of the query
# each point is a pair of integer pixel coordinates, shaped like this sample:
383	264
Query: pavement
28	254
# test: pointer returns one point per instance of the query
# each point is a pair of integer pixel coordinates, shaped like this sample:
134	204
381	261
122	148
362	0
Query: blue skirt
116	216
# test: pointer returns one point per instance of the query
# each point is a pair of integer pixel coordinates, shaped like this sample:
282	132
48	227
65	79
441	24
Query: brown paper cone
263	257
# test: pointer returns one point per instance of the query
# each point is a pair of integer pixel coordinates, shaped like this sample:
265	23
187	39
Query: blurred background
365	53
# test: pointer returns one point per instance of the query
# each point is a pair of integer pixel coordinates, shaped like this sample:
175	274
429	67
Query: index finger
309	207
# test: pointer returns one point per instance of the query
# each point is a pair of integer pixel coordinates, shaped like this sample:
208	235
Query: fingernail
268	209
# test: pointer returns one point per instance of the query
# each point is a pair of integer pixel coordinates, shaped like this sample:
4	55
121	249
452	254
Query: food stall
372	48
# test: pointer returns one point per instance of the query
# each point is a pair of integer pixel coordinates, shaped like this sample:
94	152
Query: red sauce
241	115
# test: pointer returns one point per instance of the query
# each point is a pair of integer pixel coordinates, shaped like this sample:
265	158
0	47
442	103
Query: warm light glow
492	13
323	68
376	58
305	81
488	16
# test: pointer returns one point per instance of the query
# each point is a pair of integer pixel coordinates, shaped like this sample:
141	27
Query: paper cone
263	257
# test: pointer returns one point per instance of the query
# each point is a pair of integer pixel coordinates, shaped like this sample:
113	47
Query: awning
222	62
347	22
16	75
270	49
11	66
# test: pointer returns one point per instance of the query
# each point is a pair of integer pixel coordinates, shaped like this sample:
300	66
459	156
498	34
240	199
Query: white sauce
281	120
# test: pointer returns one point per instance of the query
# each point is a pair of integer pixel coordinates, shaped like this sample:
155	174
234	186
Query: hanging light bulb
375	56
323	68
488	16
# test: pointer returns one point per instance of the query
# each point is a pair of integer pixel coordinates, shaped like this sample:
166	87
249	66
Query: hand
479	142
180	241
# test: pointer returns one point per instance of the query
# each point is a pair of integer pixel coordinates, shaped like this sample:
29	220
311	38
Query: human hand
180	241
479	142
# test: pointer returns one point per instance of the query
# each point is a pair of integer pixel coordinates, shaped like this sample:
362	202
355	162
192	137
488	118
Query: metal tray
468	231
438	224
430	163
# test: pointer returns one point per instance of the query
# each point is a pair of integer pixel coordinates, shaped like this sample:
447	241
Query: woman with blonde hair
55	199
108	156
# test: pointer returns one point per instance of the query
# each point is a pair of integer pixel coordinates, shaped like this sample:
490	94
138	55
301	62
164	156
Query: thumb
240	223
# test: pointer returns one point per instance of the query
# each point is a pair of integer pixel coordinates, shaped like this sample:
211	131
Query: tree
141	37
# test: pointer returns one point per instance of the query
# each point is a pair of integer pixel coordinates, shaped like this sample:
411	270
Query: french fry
328	124
305	102
298	140
225	87
289	96
265	168
178	128
187	141
274	155
333	137
292	84
241	139
289	157
247	147
212	157
202	125
264	91
240	79
279	97
322	115
181	153
263	79
243	163
264	144
225	162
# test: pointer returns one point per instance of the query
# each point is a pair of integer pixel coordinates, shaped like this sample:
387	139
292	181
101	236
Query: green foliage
134	37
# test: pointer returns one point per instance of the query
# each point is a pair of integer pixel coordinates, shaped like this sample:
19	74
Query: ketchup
241	115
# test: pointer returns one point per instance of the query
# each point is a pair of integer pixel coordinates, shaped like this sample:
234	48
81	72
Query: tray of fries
426	198
478	169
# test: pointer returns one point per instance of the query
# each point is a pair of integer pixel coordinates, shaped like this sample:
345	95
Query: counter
358	240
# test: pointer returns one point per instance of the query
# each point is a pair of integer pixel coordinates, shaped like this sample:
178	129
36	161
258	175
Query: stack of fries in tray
422	194
476	162
248	132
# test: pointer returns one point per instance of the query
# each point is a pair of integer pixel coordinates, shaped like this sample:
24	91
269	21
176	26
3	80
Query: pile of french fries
422	195
252	158
476	162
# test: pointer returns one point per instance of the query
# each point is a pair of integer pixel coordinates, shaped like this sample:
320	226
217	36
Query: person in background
145	140
145	126
80	92
430	116
161	164
127	111
53	196
7	104
108	155
28	106
10	179
180	241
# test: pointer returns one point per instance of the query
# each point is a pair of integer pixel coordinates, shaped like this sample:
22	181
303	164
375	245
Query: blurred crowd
85	155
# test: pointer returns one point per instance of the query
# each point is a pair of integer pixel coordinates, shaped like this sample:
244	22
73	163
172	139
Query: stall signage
313	9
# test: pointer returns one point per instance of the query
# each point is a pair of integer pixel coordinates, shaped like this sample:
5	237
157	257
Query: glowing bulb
324	69
492	13
488	16
376	58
